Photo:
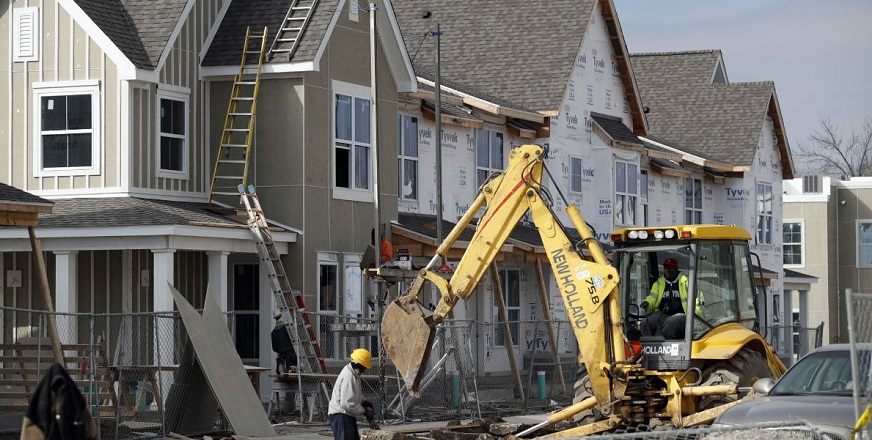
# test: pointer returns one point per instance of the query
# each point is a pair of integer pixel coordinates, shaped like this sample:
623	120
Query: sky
818	53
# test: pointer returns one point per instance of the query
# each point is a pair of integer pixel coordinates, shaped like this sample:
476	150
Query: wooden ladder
288	37
231	162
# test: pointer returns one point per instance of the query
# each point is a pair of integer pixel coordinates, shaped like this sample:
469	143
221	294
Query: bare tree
827	152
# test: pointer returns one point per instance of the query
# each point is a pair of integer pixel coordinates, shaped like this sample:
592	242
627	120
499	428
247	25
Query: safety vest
660	286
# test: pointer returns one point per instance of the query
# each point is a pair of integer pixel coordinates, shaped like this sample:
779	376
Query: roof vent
811	184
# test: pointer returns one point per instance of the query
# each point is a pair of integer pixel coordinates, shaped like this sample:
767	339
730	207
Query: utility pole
438	101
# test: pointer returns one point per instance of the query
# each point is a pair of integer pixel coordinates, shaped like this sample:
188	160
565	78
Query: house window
575	174
764	213
26	34
172	132
643	196
352	138
864	243
626	193
792	243
328	303
692	201
407	162
67	119
488	154
510	281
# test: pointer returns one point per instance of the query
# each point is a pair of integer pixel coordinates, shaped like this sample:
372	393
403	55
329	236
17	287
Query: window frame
402	157
643	196
180	95
573	177
514	324
693	213
67	88
491	168
326	317
625	198
356	92
860	244
785	243
765	220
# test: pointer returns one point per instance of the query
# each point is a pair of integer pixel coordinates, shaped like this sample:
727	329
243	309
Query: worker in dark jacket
283	346
57	410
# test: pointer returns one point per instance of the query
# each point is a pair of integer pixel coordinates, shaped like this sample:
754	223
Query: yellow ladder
231	162
288	37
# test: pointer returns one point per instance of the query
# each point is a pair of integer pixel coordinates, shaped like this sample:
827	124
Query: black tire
743	369
582	390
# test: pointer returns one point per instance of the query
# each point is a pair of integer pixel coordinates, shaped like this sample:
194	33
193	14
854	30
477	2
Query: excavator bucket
407	333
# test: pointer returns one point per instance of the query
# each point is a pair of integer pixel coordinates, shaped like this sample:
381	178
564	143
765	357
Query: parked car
817	390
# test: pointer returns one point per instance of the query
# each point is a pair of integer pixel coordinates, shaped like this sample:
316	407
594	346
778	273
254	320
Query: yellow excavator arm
587	287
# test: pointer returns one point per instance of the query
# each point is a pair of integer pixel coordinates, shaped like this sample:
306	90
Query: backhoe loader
625	378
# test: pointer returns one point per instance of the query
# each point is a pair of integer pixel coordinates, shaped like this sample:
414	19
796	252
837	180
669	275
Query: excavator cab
716	263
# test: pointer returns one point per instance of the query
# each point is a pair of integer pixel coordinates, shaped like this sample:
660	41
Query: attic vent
26	34
811	184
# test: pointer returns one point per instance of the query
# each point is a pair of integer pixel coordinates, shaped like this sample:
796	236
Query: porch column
787	313
66	294
218	277
164	333
804	345
125	339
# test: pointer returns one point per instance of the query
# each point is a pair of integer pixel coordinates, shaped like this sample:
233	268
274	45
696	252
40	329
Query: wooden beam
546	313
36	249
23	207
507	331
17	218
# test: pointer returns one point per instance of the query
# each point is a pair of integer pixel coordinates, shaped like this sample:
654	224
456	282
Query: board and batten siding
62	55
178	75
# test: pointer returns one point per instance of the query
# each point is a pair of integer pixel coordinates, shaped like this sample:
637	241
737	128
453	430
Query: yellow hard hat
362	357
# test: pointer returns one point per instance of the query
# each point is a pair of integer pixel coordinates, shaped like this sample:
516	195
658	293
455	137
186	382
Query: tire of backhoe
581	390
745	368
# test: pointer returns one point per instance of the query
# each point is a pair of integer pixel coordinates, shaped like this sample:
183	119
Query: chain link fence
859	307
803	339
127	365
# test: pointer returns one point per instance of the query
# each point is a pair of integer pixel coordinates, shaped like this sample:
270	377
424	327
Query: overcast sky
818	53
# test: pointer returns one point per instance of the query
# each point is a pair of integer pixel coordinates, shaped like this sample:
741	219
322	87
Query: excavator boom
408	328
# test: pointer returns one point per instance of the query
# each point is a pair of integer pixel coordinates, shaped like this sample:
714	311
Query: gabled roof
721	121
10	195
518	51
141	29
226	47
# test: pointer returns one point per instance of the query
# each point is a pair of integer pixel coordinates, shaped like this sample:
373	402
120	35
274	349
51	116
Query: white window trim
693	209
801	242
759	213
498	329
581	176
625	193
18	54
330	259
175	94
63	88
355	91
490	170
352	261
401	155
857	224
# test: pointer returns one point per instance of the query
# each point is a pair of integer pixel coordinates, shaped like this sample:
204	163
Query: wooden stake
546	313
507	331
36	249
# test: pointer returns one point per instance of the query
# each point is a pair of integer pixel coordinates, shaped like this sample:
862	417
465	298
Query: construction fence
125	365
859	308
792	342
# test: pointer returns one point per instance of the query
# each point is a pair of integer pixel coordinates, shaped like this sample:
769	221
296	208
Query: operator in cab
346	400
667	303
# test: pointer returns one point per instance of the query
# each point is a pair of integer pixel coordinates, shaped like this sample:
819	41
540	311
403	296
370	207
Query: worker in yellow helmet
346	401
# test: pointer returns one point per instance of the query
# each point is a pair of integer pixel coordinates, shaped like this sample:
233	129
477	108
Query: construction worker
667	303
346	401
282	345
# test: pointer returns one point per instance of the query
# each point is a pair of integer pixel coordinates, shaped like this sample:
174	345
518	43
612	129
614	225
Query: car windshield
825	372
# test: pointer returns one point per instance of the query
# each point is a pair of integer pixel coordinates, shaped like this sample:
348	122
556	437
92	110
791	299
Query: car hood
817	410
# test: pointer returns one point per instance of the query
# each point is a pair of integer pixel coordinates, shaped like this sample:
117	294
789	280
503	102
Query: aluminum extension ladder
296	20
231	162
310	357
